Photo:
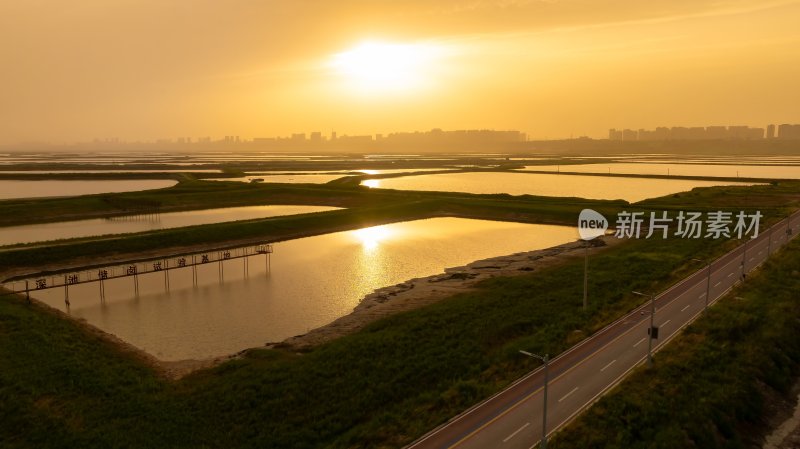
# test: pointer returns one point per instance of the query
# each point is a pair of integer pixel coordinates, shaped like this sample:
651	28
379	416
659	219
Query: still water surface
592	187
147	222
312	281
717	170
291	179
48	188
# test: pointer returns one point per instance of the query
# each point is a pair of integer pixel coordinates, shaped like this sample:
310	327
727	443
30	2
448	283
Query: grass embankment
190	195
709	387
368	207
381	387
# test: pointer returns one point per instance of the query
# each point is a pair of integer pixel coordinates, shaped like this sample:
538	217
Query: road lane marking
535	392
753	258
516	432
609	364
638	342
717	284
687	306
585	359
665	322
567	395
730	274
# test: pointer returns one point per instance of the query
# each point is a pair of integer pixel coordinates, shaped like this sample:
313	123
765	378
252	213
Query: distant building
695	133
770	131
629	135
716	132
789	132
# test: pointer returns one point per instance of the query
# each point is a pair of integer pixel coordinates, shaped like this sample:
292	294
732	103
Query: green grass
365	207
709	387
381	387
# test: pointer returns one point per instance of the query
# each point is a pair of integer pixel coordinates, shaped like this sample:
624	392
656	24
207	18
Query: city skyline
551	69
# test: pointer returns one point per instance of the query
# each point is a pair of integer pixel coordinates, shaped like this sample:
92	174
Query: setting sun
385	67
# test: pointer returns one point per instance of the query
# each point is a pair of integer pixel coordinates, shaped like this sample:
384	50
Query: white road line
665	322
752	257
701	296
759	253
566	395
516	432
730	274
639	342
609	364
717	284
687	306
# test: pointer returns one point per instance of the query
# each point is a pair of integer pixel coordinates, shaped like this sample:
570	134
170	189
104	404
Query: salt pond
311	282
145	222
514	183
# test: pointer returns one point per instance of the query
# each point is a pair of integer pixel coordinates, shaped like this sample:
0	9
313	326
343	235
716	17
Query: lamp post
708	281
545	360
585	273
651	331
744	258
769	243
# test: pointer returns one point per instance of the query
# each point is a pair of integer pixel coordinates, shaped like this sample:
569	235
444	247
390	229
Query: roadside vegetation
711	386
62	386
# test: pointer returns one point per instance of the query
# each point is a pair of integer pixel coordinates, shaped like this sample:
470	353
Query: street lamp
708	281
545	360
744	258
769	243
585	273
652	330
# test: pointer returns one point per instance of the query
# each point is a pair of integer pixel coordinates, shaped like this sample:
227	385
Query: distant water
680	169
145	222
53	188
593	187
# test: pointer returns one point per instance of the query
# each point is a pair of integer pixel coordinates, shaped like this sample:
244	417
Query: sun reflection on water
372	183
371	237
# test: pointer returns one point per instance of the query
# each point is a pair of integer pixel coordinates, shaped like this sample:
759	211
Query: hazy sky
147	69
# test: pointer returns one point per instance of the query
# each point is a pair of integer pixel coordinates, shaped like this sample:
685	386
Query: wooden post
66	292
194	271
221	268
27	291
166	274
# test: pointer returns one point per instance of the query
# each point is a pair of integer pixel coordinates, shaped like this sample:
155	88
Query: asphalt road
512	419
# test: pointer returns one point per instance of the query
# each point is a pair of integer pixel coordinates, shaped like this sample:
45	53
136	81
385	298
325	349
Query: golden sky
148	69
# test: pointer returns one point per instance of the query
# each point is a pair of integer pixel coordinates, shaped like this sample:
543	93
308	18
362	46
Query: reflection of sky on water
520	183
312	282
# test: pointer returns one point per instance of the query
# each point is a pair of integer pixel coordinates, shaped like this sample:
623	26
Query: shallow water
676	169
145	222
592	187
53	188
312	281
